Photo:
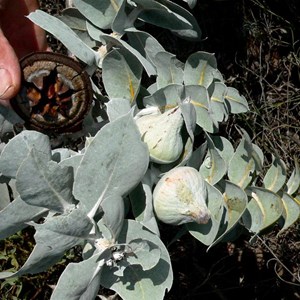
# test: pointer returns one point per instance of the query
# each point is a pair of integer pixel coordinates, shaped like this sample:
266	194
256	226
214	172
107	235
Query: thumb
10	73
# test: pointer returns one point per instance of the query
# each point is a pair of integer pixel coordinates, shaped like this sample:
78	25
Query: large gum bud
162	134
180	197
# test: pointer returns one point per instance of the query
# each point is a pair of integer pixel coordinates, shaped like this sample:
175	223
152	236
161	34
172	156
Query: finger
24	36
18	37
10	73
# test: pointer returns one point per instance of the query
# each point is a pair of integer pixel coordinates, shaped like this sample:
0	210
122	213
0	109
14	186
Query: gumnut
180	197
162	134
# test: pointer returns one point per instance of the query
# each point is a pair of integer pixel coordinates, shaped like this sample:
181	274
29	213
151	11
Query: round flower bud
161	132
180	197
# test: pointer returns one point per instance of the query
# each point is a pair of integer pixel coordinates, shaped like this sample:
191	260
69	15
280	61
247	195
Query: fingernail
5	84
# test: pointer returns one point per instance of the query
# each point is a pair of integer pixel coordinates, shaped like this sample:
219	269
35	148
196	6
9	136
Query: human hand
18	37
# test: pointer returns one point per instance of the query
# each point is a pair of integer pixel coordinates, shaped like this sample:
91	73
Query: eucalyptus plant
139	157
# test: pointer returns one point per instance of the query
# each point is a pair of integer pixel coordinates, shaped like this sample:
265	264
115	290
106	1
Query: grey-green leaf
235	201
113	163
224	147
140	252
136	283
189	116
258	156
4	195
73	18
276	175
169	69
146	253
18	149
117	107
207	233
236	103
112	41
121	75
199	98
113	208
142	202
191	3
294	181
49	185
166	98
100	13
291	211
218	108
197	156
145	43
53	238
242	164
199	69
171	16
66	35
22	213
80	281
193	33
264	209
73	161
8	118
124	18
214	167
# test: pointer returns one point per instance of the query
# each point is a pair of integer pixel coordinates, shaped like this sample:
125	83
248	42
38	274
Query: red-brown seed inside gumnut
56	93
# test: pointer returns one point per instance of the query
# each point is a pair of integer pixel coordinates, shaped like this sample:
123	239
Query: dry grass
269	78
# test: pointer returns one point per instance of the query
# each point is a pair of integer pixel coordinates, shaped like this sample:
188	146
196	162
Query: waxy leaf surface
80	280
294	181
235	102
117	107
19	148
117	42
100	13
169	69
200	99
73	18
53	238
166	98
190	32
207	233
276	175
113	163
22	213
235	202
199	69
113	207
145	43
214	167
137	283
242	164
66	35
121	75
169	16
291	211
142	203
218	108
8	118
264	209
49	185
224	147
